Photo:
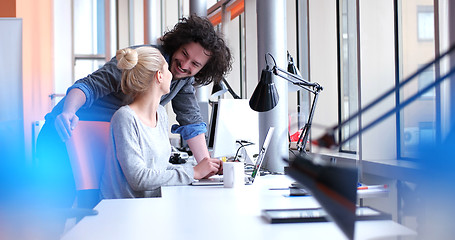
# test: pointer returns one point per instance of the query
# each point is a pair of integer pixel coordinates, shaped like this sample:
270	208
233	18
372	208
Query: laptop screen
262	152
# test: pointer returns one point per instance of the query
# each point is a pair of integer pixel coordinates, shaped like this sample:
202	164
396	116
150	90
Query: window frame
353	147
402	153
108	27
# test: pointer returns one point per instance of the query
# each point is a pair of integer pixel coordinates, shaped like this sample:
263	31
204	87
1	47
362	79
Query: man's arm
199	147
84	92
67	120
192	128
200	152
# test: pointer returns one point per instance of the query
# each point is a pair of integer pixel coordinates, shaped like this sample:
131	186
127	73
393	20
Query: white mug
234	174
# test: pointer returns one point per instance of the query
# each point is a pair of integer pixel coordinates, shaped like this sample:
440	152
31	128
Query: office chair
87	150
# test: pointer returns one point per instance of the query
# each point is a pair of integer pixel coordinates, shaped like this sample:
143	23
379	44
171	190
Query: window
418	120
425	23
426	78
228	18
89	36
348	71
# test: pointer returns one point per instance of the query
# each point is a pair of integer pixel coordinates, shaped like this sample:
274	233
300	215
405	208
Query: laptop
249	179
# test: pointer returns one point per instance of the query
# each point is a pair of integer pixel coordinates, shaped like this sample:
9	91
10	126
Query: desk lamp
335	187
265	96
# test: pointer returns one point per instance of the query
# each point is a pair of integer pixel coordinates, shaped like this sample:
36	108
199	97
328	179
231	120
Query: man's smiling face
188	60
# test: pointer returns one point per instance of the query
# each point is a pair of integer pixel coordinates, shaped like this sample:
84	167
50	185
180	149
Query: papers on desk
363	190
361	186
372	191
318	215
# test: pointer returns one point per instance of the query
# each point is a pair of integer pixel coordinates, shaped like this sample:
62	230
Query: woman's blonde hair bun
139	67
127	58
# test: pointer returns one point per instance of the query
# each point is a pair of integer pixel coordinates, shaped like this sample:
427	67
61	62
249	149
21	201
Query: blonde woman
138	161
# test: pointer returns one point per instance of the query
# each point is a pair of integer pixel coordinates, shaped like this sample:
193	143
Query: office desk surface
215	212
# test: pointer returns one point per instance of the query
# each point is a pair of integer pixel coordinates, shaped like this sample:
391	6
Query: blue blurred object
436	190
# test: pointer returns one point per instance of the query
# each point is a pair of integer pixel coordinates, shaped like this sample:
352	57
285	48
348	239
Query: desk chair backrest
87	151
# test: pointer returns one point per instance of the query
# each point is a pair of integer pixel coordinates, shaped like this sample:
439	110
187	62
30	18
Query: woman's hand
207	167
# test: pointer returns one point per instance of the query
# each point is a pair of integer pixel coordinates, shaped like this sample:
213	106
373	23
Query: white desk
215	212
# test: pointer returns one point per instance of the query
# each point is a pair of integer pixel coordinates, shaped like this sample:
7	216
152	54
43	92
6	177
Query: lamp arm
314	88
297	80
292	77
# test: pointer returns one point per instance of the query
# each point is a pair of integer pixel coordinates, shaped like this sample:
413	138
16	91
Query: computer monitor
232	120
212	125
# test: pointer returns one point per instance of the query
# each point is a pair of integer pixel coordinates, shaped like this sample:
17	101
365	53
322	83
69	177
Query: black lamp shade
265	96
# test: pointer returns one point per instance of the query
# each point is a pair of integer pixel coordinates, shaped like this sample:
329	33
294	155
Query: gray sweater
137	164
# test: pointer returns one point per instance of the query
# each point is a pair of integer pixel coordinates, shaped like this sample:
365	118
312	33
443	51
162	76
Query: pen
372	187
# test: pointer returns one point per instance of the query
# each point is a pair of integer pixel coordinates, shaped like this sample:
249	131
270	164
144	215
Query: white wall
170	14
123	24
232	37
251	65
130	22
137	30
377	76
323	62
63	52
12	142
291	29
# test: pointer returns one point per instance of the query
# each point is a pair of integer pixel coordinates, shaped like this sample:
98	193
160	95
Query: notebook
249	179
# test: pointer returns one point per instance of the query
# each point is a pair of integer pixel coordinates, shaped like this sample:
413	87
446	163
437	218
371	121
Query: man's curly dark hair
200	30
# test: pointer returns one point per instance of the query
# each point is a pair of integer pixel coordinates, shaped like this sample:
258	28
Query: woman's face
167	78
